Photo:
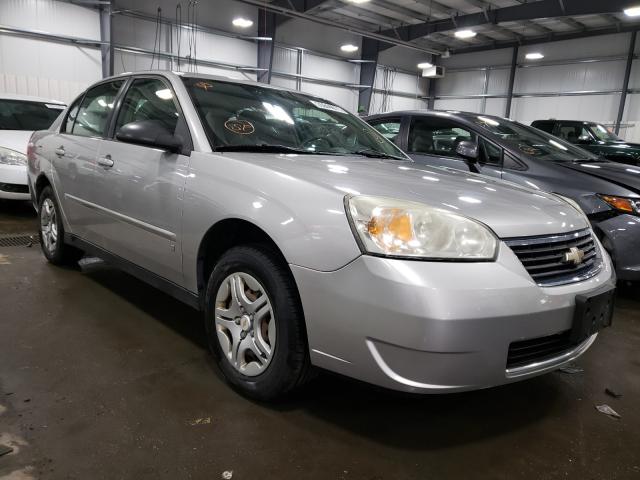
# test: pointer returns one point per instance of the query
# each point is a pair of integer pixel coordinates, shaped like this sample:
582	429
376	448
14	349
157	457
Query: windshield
603	133
26	115
531	141
253	118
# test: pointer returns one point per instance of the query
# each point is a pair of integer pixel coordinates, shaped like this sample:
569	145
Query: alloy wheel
49	225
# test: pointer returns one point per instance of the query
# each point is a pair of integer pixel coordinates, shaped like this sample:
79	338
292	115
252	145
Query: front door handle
105	161
60	151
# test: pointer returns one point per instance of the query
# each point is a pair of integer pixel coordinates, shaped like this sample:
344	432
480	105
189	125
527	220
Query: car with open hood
308	239
608	192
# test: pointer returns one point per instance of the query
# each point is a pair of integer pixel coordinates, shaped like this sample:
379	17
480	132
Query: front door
139	188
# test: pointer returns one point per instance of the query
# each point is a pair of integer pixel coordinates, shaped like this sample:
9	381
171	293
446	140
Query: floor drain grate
18	240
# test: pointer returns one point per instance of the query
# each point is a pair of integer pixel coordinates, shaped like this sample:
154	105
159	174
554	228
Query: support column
625	83
431	101
512	81
266	28
370	50
106	50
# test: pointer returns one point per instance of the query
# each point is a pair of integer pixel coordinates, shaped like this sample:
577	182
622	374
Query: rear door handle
105	161
60	151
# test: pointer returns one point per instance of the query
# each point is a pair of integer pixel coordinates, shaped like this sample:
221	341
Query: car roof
467	116
555	120
28	98
174	74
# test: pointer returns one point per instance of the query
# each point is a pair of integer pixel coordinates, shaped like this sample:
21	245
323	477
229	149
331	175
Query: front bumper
13	182
434	326
622	236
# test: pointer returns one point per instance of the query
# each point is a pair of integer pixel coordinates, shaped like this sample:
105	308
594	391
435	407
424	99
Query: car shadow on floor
17	217
407	421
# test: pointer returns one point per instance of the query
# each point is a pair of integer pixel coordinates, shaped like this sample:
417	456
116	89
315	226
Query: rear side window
71	116
96	107
389	128
435	136
149	99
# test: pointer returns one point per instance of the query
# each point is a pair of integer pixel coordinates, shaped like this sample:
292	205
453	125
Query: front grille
545	258
526	352
14	188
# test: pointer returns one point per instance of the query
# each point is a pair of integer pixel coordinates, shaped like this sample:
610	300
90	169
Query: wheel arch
41	182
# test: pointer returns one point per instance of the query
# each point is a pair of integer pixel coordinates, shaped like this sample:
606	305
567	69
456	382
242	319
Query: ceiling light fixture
349	48
534	56
465	34
242	22
424	65
632	11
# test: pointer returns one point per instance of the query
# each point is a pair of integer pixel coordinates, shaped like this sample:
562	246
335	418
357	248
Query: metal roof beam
516	13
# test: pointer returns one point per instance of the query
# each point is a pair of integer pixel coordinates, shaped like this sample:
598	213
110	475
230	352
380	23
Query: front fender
307	222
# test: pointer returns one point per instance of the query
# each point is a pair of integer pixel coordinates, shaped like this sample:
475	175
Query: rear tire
255	323
51	231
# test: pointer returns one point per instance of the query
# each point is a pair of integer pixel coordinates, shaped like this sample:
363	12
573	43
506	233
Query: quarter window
489	153
93	116
149	99
71	116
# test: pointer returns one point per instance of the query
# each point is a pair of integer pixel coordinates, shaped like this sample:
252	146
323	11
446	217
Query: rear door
73	153
433	141
139	188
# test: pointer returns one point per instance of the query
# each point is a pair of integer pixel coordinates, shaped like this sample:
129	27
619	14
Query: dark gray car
608	192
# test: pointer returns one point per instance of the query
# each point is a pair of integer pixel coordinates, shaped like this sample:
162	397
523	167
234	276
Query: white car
20	116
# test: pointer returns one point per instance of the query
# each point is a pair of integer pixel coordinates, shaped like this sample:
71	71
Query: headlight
11	157
626	205
398	228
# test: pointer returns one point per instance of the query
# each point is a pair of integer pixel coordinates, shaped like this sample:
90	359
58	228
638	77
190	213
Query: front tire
255	324
52	231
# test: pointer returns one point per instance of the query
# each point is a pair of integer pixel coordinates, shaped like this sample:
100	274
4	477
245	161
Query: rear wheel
52	232
255	325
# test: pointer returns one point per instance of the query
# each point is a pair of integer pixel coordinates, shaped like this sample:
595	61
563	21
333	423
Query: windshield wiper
262	148
376	154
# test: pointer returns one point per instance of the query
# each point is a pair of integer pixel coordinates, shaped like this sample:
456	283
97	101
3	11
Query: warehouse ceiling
497	23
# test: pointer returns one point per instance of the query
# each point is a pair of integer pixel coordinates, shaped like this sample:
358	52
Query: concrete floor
102	376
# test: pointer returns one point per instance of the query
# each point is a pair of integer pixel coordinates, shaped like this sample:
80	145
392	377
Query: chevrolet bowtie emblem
574	255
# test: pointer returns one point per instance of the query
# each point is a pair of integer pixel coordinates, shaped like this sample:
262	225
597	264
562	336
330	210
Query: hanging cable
178	32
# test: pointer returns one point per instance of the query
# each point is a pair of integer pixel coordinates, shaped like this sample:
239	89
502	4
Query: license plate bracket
594	311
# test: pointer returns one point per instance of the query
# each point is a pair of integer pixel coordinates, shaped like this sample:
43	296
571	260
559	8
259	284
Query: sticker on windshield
328	106
206	86
240	127
55	106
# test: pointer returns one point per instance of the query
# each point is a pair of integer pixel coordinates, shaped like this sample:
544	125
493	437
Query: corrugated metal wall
42	68
581	79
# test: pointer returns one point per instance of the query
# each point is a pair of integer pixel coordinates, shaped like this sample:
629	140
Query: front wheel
52	232
254	322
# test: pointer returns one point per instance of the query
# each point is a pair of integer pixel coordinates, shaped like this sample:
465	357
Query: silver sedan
308	239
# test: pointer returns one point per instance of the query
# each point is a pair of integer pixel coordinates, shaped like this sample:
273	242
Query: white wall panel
631	119
328	68
47	69
572	77
461	83
602	108
495	106
285	60
344	97
51	16
283	82
465	105
498	81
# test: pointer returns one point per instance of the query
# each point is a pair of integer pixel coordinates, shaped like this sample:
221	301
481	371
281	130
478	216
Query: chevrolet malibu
308	239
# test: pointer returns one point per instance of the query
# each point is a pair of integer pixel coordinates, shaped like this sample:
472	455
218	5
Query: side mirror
149	133
468	150
583	140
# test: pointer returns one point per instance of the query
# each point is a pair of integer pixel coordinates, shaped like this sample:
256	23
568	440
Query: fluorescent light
164	94
242	22
632	11
534	56
465	34
424	65
349	48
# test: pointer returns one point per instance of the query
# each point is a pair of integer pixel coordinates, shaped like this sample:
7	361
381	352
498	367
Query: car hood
508	209
623	175
15	139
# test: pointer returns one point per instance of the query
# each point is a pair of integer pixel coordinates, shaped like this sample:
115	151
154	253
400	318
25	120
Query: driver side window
435	136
